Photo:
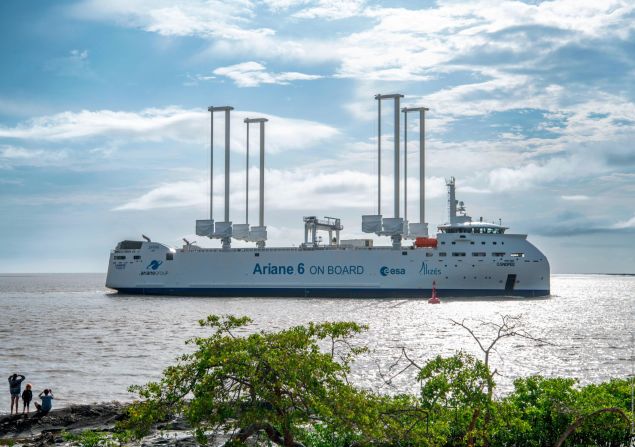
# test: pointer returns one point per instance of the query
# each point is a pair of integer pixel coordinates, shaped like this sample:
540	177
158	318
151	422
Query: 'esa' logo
385	271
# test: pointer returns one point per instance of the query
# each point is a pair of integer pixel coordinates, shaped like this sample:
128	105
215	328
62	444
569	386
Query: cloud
12	156
252	74
575	198
630	223
170	123
177	194
332	9
205	18
303	188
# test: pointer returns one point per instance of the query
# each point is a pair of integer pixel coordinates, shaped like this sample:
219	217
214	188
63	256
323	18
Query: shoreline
66	425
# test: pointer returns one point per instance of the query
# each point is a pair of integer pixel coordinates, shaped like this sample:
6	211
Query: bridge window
119	258
458	254
517	255
428	254
478	253
169	256
442	253
498	254
137	257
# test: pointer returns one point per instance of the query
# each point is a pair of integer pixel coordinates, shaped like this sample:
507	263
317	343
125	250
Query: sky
104	129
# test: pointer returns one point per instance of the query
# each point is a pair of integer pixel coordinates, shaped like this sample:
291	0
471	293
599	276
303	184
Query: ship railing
317	248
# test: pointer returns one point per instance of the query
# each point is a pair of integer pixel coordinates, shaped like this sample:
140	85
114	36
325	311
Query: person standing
27	396
15	386
47	402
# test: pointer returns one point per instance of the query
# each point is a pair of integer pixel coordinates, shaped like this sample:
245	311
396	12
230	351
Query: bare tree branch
582	419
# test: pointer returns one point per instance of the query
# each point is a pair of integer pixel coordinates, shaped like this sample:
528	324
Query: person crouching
47	402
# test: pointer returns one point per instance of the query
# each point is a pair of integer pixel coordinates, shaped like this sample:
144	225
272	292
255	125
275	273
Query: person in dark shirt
15	386
47	402
27	396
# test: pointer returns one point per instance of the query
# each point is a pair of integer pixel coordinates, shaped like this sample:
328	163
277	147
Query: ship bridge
460	222
473	227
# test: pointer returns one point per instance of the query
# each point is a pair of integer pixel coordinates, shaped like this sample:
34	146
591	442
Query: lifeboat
427	242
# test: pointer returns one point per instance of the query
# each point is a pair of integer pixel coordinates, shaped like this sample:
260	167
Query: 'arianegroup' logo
154	265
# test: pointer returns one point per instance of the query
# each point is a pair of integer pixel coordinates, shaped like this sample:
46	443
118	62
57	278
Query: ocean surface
69	333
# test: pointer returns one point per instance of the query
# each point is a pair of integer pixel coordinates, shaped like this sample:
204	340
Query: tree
509	326
267	383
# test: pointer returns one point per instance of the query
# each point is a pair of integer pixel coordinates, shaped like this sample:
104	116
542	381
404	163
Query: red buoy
434	299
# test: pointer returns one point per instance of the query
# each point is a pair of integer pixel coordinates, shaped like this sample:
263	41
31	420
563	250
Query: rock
94	417
35	430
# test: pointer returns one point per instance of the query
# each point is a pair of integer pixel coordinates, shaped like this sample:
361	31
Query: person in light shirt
47	402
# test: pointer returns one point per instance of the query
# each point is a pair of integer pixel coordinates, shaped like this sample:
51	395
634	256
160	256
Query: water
71	334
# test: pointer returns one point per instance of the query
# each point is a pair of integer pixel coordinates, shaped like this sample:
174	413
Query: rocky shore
70	426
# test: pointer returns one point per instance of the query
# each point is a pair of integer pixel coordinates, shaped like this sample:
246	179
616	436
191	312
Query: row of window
121	257
496	254
477	230
472	243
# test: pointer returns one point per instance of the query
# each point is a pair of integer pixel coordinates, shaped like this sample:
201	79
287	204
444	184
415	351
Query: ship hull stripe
324	292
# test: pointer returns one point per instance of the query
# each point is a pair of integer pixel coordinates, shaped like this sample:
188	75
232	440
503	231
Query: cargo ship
465	257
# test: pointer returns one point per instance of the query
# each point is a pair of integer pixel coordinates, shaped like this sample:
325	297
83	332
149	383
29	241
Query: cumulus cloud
170	123
332	9
252	74
205	18
302	188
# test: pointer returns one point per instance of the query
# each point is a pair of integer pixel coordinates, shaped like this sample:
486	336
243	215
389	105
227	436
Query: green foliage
322	435
453	392
89	438
541	409
291	388
272	382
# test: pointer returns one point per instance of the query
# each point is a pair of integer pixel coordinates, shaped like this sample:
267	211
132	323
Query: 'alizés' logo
425	270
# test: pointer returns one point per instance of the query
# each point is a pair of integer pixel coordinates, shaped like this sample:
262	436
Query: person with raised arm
47	402
15	386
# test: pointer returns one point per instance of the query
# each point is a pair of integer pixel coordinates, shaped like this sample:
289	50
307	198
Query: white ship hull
461	265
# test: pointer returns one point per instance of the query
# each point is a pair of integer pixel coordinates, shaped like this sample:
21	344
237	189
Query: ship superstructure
466	258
